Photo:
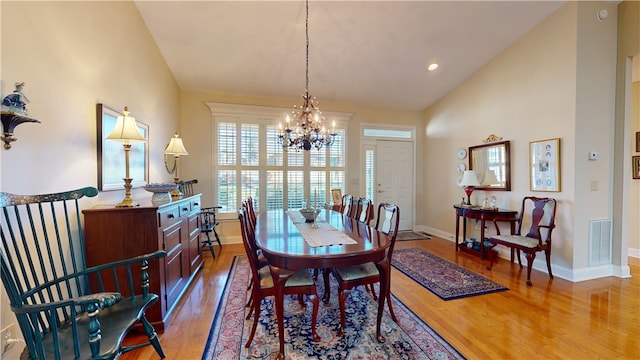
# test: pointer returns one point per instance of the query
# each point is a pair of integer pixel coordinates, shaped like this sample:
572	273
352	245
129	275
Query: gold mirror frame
494	156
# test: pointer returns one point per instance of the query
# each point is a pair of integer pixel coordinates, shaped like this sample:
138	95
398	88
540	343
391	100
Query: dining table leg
280	277
385	287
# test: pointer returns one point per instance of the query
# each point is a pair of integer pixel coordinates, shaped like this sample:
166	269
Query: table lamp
469	180
175	148
126	131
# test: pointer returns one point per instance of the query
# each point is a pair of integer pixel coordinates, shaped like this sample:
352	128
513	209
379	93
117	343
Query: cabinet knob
185	209
170	216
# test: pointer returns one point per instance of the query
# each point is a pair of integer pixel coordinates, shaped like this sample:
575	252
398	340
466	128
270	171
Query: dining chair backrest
186	187
249	242
365	207
251	212
348	206
388	222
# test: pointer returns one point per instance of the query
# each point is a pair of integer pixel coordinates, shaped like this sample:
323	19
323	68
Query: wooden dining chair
349	277
251	211
247	206
300	283
348	207
364	210
539	214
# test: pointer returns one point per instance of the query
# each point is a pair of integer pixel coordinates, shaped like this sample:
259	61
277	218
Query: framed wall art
336	196
111	160
638	141
635	166
544	165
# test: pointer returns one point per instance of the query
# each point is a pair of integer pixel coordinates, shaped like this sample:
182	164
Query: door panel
394	177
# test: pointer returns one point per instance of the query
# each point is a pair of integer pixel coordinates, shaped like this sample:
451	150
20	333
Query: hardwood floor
554	319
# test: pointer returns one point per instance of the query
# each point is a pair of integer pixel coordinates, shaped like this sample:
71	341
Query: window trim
238	113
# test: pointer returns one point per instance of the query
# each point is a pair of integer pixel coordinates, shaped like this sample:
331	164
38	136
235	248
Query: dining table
333	240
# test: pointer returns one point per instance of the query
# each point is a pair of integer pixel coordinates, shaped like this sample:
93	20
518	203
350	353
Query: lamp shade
126	129
490	178
469	178
175	146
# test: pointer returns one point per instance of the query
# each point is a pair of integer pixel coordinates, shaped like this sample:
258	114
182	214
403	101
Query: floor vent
599	242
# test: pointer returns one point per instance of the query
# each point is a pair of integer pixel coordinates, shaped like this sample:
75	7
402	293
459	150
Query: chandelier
303	128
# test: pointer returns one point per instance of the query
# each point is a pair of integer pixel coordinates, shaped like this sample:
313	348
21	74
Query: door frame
369	143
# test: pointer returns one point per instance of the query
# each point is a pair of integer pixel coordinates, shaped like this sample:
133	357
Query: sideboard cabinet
119	233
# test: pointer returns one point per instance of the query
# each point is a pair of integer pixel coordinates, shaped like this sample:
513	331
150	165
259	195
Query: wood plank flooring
554	319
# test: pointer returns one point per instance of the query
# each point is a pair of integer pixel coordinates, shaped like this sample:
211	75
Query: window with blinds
251	162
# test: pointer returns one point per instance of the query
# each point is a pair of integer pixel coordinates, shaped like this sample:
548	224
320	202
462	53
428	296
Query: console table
483	215
117	233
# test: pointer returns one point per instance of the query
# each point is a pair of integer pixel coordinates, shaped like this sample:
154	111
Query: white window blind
251	162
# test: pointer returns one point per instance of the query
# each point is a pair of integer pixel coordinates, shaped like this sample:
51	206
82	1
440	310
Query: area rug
441	277
411	338
412	235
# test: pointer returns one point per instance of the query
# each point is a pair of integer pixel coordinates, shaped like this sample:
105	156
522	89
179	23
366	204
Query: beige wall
538	88
73	55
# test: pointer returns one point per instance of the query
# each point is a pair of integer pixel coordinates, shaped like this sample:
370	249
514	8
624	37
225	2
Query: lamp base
469	191
127	201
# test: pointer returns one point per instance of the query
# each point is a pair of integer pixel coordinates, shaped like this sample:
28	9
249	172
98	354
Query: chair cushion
517	240
299	278
361	271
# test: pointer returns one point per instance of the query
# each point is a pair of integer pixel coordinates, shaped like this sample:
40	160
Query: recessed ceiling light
432	67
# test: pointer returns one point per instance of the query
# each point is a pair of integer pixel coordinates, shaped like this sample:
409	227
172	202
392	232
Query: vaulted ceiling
362	52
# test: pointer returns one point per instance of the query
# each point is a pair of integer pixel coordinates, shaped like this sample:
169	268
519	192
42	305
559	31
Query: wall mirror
492	164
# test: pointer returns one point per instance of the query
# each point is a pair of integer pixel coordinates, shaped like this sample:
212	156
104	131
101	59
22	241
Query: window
369	176
251	162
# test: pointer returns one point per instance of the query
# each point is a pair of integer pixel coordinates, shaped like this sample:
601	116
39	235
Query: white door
394	177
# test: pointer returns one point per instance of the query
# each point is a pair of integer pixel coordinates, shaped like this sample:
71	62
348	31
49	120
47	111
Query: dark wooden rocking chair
44	274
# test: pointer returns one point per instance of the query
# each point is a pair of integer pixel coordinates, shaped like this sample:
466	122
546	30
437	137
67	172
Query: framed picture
545	171
336	196
111	161
638	141
635	166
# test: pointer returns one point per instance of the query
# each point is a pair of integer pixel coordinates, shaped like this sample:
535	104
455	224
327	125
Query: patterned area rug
412	235
445	279
411	339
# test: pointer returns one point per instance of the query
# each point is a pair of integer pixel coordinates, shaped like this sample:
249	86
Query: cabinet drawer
185	208
169	216
195	205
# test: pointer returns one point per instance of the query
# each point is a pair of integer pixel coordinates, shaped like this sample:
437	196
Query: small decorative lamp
469	180
175	148
490	178
126	131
